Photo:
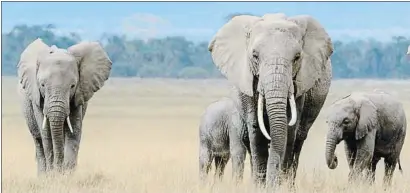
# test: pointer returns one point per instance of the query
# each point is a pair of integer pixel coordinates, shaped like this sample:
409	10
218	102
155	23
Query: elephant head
351	117
282	56
59	80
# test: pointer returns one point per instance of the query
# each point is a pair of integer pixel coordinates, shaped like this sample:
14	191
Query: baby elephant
372	125
220	138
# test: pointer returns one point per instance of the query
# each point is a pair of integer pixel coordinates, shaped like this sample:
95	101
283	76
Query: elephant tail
400	169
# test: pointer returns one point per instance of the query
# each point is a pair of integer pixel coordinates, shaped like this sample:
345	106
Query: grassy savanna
142	136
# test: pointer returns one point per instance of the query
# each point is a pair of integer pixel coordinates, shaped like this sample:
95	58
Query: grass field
142	136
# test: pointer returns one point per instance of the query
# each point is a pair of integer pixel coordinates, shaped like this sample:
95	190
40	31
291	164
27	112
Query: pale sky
199	21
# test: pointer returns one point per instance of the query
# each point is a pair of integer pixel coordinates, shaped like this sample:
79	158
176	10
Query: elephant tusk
69	125
43	126
260	117
292	110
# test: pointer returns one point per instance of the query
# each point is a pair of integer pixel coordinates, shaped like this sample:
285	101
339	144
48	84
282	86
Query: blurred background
170	39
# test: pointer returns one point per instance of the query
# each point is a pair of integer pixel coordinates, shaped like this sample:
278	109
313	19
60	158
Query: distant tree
177	57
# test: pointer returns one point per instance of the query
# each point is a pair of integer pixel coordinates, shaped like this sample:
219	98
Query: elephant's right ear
230	54
28	66
367	118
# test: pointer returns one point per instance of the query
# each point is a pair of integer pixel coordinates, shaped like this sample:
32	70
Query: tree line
177	57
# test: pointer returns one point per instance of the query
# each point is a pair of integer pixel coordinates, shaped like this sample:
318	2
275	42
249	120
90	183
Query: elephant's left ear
94	69
317	49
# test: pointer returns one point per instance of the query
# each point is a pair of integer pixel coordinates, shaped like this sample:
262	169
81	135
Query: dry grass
142	136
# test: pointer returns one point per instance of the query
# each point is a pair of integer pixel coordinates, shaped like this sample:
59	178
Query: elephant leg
35	133
389	167
238	152
205	161
220	164
72	143
294	145
258	144
246	144
46	139
350	151
72	140
371	175
259	151
364	153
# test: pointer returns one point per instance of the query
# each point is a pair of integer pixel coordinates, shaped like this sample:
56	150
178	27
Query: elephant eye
297	56
346	121
255	54
42	84
72	86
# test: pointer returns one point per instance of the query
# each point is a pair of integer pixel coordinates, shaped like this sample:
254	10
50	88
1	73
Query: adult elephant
56	85
273	60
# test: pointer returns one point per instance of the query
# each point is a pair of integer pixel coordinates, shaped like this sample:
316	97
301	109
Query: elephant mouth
260	114
68	123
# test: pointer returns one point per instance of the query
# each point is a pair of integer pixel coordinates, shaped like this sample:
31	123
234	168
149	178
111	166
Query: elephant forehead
340	111
276	26
59	59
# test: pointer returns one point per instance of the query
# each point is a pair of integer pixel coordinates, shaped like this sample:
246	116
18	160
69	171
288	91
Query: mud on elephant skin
372	126
276	63
55	86
221	137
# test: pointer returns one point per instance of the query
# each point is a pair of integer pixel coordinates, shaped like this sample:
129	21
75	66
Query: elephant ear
28	66
367	118
317	49
230	54
94	69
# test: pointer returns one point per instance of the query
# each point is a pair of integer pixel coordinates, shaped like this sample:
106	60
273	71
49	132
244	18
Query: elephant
220	137
280	65
373	126
55	86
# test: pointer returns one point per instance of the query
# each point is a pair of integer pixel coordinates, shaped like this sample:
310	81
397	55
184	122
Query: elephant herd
281	72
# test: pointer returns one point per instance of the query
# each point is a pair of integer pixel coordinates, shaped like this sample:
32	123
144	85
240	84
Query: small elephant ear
317	49
367	118
28	66
94	69
230	54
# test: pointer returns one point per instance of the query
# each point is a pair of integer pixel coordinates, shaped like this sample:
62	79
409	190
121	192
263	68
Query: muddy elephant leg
389	167
35	133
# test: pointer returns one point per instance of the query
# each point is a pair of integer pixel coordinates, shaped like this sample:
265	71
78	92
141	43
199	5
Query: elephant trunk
56	116
276	85
332	140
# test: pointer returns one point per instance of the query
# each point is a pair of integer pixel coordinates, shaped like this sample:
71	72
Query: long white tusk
44	122
292	110
69	124
260	117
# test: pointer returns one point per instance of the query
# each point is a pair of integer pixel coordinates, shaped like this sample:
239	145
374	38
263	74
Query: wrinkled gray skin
373	126
55	86
271	59
220	138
